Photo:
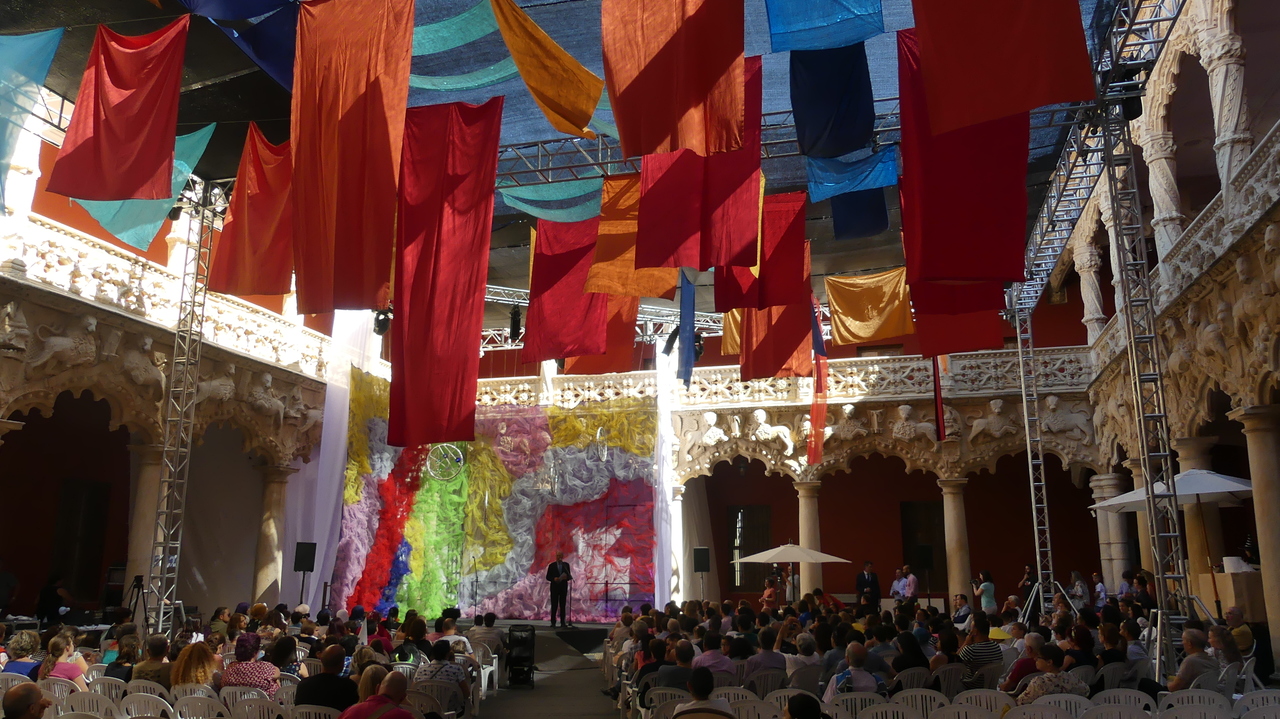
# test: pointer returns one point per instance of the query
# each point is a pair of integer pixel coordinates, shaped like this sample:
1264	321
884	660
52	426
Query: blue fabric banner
553	191
859	214
269	41
822	24
831	100
24	63
571	213
136	222
830	177
235	9
688	304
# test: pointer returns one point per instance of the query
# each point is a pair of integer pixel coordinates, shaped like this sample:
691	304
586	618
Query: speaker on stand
304	560
702	565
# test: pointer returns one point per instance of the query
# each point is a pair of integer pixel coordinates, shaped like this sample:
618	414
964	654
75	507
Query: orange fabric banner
254	253
350	89
776	342
731	341
566	91
675	73
869	307
613	270
621	343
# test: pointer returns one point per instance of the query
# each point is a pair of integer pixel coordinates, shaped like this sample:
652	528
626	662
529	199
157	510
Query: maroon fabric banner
776	342
1042	56
448	170
563	320
621	333
784	261
945	334
254	253
670	224
731	188
350	89
956	298
119	145
944	178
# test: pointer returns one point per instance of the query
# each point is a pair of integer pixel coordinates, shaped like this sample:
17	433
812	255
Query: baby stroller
520	641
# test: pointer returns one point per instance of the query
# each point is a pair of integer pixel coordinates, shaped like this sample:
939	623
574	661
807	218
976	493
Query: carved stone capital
953	486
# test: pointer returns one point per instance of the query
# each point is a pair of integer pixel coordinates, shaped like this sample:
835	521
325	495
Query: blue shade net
688	305
452	33
24	63
831	177
831	101
136	222
265	30
822	24
572	201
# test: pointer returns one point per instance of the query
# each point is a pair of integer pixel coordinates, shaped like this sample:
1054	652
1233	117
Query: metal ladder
206	202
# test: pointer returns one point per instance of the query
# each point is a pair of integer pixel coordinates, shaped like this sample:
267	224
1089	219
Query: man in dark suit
559	576
869	584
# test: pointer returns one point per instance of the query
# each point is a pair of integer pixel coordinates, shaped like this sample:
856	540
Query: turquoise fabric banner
553	191
467	26
831	177
24	63
136	222
573	213
500	71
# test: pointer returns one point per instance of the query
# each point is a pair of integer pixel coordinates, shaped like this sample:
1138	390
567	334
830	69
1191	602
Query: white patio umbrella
790	553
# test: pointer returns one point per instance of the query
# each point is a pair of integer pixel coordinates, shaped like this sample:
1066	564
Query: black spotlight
515	322
175	213
382	321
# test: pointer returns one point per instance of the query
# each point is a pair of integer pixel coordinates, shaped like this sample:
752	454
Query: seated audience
127	651
154	668
443	669
20	648
329	688
676	675
701	684
1054	680
488	635
854	679
1223	647
911	655
1240	630
802	706
713	655
1195	663
1025	664
248	670
962	610
25	701
806	654
370	681
195	664
386	703
60	663
979	651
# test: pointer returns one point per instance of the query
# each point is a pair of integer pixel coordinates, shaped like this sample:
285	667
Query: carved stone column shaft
1159	151
149	460
810	533
1223	60
1113	532
1088	267
269	567
1201	522
956	530
1262	436
1145	556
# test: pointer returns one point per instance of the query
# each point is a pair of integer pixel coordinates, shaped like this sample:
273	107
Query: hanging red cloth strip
946	334
670	224
449	168
254	252
784	261
674	73
776	342
956	298
119	145
564	321
945	177
350	89
818	408
621	341
1042	58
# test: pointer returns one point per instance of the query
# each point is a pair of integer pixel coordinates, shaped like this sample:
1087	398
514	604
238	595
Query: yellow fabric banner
869	307
730	343
613	269
566	91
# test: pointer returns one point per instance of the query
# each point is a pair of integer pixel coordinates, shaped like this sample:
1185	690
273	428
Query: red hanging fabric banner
1042	58
776	342
945	177
449	168
947	334
731	188
350	89
254	253
613	270
939	412
564	321
956	298
670	224
818	410
674	74
119	145
621	334
783	275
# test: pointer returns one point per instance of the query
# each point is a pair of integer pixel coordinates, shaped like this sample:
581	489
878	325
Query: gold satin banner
613	270
566	91
730	343
869	307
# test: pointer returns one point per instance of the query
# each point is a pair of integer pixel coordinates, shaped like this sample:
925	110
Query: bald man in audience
25	701
386	703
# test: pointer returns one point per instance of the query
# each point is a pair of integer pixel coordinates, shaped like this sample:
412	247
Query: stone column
1262	436
268	569
149	459
1202	523
680	587
1159	151
1087	266
1103	194
1223	60
810	534
1106	486
1145	556
956	530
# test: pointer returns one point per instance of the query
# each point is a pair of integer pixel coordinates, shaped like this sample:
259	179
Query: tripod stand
137	602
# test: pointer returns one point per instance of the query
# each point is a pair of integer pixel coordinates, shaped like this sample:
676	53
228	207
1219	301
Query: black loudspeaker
701	559
304	557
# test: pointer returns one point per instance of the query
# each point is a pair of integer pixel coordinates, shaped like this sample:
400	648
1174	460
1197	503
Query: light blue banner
831	177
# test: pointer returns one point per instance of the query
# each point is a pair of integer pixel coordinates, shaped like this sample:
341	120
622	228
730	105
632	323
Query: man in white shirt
895	589
853	679
701	684
1099	592
908	585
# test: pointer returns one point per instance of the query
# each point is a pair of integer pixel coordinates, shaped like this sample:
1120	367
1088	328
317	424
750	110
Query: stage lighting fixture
515	322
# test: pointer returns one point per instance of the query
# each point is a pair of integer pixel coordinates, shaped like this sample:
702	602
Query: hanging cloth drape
1042	58
351	85
829	177
688	305
818	407
821	24
859	214
136	222
563	321
572	201
24	63
865	308
119	145
254	253
945	334
783	274
776	342
621	342
674	73
957	298
566	91
669	231
945	177
613	269
730	341
831	100
442	261
266	30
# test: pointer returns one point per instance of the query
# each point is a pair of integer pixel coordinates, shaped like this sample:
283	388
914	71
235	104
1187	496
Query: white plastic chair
780	697
315	666
424	703
1249	680
990	675
1194	697
94	671
178	691
1085	673
1125	697
60	688
145	705
766	681
1195	711
962	711
258	709
9	680
733	694
949	679
1255	699
724	679
855	702
992	700
890	711
658	695
913	678
310	711
1114	711
405	668
302	652
755	709
92	703
286	693
1037	711
287	678
666	709
195	706
109	687
1111	675
1073	703
142	686
806	678
231	696
78	715
444	692
922	700
1270	711
1228	680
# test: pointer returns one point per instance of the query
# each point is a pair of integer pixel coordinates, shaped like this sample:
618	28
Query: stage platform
586	638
